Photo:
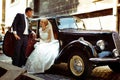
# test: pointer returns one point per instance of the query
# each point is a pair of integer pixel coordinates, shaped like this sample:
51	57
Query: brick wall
56	7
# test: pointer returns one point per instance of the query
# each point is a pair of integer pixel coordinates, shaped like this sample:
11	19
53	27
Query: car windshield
67	23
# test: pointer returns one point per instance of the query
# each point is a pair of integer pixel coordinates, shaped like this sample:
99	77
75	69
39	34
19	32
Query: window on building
3	10
12	1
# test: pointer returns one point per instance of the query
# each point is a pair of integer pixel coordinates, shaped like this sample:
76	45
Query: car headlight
115	51
101	44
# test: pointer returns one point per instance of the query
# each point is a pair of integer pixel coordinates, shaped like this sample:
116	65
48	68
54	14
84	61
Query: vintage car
81	49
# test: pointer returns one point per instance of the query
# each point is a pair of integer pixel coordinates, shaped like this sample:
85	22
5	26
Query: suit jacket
19	24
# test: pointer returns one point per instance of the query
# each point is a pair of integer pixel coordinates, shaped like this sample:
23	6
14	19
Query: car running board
97	60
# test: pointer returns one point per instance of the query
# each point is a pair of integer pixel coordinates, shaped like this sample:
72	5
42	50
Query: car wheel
115	67
79	65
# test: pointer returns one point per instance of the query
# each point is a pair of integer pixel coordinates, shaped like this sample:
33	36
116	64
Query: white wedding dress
44	54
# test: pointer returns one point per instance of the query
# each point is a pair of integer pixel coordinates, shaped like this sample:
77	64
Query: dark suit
19	25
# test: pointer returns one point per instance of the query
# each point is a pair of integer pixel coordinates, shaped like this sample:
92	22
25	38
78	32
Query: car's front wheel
79	65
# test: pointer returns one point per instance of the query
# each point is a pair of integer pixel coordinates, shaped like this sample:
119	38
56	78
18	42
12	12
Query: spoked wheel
79	65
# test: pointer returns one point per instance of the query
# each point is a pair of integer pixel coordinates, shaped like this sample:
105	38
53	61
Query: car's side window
34	26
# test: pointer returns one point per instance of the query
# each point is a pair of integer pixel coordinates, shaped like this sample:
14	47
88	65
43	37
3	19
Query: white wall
30	3
0	11
88	5
106	22
12	9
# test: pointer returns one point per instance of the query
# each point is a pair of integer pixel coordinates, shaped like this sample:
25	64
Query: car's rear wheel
79	65
115	67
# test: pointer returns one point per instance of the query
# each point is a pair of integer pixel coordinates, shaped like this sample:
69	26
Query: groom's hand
17	37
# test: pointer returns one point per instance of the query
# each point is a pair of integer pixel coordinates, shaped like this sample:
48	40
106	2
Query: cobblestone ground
104	73
57	72
60	72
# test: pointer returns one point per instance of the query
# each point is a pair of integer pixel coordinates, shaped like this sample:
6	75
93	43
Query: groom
21	31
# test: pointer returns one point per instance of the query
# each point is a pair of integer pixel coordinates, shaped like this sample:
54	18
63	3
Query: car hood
92	36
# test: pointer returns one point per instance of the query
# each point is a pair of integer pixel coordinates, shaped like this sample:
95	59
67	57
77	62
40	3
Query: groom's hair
28	9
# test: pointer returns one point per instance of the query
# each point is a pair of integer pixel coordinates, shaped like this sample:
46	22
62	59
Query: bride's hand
33	35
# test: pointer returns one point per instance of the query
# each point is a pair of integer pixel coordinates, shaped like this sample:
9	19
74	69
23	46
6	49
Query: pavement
60	72
5	58
46	76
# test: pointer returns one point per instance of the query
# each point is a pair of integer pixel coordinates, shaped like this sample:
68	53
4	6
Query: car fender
79	44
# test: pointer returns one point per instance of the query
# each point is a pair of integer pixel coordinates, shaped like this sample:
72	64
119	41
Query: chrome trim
116	40
101	44
81	39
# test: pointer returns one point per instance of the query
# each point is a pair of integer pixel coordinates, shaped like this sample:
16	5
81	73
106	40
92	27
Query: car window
80	23
34	25
66	23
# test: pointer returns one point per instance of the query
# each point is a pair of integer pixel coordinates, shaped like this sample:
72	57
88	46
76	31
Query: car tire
79	65
115	67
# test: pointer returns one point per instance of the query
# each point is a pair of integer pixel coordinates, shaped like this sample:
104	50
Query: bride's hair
48	25
45	21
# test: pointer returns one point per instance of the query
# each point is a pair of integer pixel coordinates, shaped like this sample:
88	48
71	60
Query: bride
45	52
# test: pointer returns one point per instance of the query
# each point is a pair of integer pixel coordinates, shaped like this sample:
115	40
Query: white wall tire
79	65
76	65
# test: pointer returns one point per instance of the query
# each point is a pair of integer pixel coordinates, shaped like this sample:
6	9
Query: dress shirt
26	25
